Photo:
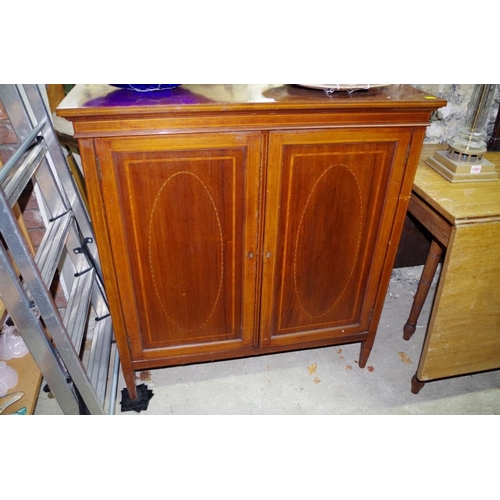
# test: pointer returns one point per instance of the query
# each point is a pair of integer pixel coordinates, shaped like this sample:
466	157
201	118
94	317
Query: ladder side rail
72	264
14	106
15	183
49	194
58	170
49	312
79	264
100	355
51	248
25	145
60	197
55	202
21	117
99	300
52	200
114	381
57	158
102	341
36	112
19	106
17	304
77	312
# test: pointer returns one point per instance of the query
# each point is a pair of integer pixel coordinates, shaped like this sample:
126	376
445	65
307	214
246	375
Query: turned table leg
433	258
416	385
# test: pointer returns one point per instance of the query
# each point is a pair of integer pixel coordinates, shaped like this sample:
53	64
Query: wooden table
29	383
463	335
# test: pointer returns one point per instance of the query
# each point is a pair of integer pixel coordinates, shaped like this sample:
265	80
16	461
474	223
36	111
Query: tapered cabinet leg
433	259
129	376
366	348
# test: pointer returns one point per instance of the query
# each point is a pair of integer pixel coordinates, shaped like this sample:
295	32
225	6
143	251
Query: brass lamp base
456	171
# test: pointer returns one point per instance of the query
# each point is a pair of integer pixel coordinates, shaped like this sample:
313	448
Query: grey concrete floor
325	381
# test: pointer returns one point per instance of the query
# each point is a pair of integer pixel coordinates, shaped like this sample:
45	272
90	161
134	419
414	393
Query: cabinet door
182	219
330	204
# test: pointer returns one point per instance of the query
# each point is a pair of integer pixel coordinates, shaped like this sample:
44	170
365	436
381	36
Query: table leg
433	258
416	385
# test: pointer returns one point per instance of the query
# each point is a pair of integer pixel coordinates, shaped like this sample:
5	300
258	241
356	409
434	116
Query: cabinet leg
366	348
433	258
416	385
129	376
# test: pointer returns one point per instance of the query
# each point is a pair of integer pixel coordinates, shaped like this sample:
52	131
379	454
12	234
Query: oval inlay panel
331	219
186	251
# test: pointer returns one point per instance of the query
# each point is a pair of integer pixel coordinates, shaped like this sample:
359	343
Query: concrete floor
326	381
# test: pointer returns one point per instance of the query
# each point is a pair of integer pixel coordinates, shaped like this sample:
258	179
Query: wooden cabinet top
457	201
106	110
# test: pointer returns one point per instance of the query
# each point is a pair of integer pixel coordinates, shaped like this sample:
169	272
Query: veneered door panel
182	215
331	197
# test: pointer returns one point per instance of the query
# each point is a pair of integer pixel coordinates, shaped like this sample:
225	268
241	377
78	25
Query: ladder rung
77	310
51	247
25	145
98	365
14	185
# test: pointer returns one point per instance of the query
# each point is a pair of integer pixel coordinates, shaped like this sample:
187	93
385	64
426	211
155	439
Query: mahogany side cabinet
237	220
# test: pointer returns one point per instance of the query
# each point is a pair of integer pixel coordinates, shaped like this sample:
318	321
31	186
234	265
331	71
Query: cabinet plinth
236	220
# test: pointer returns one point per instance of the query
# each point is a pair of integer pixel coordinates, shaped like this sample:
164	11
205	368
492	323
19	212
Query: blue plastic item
146	87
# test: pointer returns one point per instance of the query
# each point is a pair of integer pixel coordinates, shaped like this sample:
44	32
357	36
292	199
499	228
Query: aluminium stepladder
78	378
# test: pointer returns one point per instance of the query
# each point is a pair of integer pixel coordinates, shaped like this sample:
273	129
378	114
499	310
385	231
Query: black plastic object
141	403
